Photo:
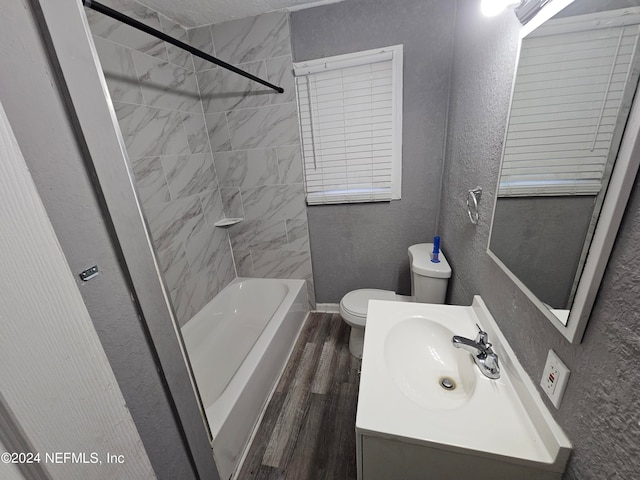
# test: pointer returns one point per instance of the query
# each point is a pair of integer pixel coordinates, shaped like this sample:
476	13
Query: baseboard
327	308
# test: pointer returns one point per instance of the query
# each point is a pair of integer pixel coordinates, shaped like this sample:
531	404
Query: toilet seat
354	305
429	282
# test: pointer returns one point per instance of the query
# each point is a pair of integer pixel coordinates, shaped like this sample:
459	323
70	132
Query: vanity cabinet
384	458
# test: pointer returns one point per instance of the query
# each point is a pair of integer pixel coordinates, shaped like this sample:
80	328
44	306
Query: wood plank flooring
308	430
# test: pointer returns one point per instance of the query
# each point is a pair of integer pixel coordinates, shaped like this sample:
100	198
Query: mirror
568	157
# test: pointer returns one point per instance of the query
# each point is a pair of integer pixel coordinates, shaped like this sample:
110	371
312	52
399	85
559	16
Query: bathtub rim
232	304
217	413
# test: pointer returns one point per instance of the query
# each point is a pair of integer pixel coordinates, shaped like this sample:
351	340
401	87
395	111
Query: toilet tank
429	280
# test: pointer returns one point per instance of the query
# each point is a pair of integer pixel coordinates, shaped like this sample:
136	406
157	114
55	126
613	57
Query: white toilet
428	285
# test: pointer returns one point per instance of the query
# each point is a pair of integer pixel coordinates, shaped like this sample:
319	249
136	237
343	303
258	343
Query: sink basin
408	425
424	365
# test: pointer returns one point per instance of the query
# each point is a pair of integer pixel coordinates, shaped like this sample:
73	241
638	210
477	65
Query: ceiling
193	13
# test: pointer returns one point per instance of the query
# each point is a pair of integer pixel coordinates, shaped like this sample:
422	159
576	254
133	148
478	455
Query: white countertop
492	421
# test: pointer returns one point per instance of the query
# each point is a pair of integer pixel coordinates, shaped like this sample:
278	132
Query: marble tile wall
205	144
253	134
156	98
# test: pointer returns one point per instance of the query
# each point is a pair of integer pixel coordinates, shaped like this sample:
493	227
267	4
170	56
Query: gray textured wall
600	410
365	245
540	239
29	91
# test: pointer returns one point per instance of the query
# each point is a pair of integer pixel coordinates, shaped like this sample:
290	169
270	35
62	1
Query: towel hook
473	197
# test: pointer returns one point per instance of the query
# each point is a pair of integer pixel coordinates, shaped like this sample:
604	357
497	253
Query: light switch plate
554	378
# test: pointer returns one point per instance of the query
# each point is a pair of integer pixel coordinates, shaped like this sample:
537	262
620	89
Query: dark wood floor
308	430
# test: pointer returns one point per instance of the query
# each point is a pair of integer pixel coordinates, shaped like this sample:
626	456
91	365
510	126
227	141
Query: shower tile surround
205	144
254	137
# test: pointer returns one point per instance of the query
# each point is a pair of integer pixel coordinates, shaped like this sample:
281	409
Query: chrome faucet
483	354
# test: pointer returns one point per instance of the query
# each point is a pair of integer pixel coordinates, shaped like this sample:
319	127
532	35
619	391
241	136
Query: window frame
335	62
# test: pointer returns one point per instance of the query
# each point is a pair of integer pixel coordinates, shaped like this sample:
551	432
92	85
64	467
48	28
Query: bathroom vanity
425	409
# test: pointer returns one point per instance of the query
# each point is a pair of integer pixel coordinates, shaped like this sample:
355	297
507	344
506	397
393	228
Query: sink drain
447	383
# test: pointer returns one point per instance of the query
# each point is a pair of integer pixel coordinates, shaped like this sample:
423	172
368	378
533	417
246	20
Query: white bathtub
238	344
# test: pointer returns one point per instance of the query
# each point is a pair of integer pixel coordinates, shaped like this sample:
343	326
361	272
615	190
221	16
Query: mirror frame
614	205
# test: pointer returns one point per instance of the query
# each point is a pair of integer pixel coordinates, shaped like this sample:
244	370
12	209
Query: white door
56	382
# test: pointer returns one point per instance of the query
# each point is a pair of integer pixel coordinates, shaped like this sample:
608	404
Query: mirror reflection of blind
574	85
350	127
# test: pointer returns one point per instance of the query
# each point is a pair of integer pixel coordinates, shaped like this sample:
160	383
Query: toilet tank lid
420	256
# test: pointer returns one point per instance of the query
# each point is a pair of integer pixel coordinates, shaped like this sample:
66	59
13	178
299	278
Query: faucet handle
491	363
482	337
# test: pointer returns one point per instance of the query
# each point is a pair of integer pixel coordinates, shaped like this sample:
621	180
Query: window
351	126
570	103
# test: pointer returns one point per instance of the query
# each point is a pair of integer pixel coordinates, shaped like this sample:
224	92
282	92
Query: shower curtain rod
98	7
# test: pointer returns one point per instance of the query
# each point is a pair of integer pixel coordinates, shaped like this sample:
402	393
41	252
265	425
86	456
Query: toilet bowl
353	310
429	282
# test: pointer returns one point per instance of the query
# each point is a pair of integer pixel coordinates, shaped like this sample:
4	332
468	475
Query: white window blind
350	110
573	89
